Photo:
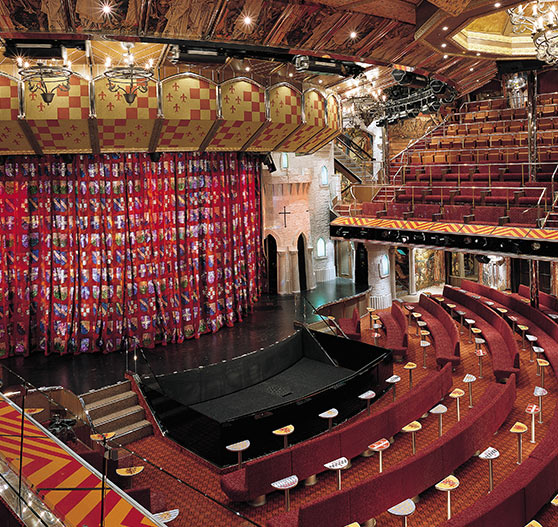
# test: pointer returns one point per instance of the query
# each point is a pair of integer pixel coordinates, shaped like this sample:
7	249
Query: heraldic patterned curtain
115	245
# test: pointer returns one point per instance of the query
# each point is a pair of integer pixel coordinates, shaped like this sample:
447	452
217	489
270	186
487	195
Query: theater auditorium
278	263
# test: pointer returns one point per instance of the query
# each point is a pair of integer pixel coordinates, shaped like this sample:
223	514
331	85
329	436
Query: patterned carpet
197	509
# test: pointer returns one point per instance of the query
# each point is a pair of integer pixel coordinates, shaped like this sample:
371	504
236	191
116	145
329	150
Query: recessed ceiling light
247	68
320	81
445	28
107	9
353	34
471	69
247	20
290	75
446	56
478	54
497	4
444	45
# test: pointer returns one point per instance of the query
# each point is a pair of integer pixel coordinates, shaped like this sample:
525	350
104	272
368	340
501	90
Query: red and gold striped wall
184	112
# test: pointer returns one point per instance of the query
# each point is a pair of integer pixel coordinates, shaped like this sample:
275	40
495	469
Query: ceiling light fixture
497	5
46	80
129	79
444	45
247	20
542	23
353	34
446	56
445	28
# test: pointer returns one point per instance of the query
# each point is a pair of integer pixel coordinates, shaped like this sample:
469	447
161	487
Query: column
532	123
295	278
392	284
310	275
283	274
534	282
461	265
379	272
412	272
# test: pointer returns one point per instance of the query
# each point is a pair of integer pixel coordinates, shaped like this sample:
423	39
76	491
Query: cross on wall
284	213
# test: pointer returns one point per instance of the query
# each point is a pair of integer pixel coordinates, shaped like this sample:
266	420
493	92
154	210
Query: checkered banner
285	105
190	109
315	114
62	125
12	139
243	111
124	127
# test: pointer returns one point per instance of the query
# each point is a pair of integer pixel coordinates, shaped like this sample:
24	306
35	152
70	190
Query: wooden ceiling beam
394	9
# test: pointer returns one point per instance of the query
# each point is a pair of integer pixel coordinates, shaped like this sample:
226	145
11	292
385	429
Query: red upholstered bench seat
443	331
396	326
307	458
411	476
495	331
351	326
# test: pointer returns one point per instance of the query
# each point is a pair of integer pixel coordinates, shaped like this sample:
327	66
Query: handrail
345	140
552	181
428	131
554	203
483	100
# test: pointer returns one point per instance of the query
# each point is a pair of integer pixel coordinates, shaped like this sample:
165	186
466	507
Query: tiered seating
351	326
412	476
443	331
498	335
308	457
546	302
395	325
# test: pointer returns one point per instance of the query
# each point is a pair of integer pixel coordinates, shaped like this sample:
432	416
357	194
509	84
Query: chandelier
130	79
542	23
364	108
45	80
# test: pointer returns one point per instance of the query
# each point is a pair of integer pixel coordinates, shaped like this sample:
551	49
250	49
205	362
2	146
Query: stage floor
302	378
272	320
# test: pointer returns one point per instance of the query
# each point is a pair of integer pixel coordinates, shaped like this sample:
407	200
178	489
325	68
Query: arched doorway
270	246
301	247
361	265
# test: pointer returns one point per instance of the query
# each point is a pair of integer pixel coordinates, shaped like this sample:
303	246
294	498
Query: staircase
351	166
115	409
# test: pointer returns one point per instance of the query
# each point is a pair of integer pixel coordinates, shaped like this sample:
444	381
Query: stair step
103	393
119	419
129	434
111	405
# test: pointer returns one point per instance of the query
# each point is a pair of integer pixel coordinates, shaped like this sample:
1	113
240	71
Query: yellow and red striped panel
190	109
48	465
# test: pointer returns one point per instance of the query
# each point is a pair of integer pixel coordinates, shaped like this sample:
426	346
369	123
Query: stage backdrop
111	245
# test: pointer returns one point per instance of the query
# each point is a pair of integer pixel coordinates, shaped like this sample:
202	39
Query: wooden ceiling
381	33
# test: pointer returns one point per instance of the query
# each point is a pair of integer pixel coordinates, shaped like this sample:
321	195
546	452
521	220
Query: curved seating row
442	330
351	326
498	335
546	301
539	324
307	458
412	476
396	326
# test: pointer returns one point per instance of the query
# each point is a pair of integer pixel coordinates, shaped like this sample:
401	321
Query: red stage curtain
111	245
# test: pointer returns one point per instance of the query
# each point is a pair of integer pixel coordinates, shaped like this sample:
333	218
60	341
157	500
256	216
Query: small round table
542	364
393	380
410	366
375	334
403	509
284	431
470	322
371	311
480	353
413	428
457	394
514	321
538	351
420	324
451	308
489	303
532	410
239	447
540	392
128	473
337	464
367	396
416	316
461	319
329	415
447	485
379	446
167	516
332	325
519	429
533	523
286	484
424	344
532	339
469	379
439	410
33	411
523	329
501	310
490	454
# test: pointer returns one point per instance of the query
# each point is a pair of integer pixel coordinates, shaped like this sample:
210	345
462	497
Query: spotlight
269	163
535	246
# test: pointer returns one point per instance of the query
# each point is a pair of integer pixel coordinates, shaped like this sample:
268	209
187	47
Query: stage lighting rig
321	66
